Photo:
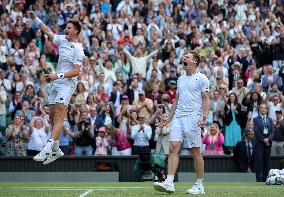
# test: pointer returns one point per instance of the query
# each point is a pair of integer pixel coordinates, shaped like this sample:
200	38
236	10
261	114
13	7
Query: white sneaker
42	155
53	156
164	187
196	189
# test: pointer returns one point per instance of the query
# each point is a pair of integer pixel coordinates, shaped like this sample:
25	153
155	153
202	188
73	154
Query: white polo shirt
190	89
69	53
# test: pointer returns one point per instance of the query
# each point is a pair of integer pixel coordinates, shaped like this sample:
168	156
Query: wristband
37	21
60	75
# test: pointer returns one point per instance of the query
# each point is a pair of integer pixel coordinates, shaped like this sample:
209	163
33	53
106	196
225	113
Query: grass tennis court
145	189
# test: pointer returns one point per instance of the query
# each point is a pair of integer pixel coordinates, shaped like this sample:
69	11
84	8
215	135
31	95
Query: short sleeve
204	84
78	56
57	40
178	85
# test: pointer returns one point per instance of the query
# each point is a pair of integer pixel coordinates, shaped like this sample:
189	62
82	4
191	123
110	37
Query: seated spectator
101	142
39	134
17	137
118	141
141	134
243	152
213	141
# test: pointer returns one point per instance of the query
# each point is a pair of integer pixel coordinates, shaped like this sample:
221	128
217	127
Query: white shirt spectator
141	138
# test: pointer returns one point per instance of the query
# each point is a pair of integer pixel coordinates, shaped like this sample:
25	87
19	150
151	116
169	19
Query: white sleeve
57	40
204	84
78	56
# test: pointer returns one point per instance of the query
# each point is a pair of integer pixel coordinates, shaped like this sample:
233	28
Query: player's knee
195	152
174	149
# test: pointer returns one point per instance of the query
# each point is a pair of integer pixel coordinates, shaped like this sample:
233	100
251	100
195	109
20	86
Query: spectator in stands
154	79
217	108
3	99
101	142
232	122
264	131
66	137
123	114
278	138
172	91
141	134
144	105
17	137
25	112
83	136
214	141
244	154
155	95
252	101
162	135
81	94
118	140
39	133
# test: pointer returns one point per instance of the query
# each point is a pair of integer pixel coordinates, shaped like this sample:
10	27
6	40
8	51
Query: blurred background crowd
134	51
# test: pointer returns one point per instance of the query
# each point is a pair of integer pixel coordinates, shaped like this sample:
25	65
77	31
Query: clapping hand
164	121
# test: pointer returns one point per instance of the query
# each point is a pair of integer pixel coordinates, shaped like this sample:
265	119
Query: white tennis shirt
190	89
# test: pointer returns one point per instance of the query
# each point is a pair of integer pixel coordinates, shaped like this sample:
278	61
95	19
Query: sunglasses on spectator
141	118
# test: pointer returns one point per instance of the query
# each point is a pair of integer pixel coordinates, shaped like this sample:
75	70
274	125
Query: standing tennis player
189	111
71	56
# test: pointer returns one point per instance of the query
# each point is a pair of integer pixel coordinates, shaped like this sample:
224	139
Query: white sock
55	145
170	178
199	181
49	144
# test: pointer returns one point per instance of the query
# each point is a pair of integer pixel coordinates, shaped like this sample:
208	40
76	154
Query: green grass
70	189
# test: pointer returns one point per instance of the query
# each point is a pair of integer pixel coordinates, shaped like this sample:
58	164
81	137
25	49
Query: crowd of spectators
134	51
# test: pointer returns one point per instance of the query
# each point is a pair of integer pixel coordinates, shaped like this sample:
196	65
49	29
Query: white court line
86	193
77	188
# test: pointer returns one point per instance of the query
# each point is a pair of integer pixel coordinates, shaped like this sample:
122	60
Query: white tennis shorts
186	128
61	93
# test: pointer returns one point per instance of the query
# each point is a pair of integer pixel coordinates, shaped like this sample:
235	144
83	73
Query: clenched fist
32	15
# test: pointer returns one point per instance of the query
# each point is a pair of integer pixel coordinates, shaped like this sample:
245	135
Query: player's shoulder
201	76
79	48
60	37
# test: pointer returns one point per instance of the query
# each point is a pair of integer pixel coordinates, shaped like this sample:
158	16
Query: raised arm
46	30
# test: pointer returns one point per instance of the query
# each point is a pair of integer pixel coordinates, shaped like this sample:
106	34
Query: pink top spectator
213	144
120	141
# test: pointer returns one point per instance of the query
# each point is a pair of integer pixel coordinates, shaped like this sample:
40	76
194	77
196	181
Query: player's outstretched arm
46	30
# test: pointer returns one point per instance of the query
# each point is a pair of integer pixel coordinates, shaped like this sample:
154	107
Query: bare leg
173	157
59	111
198	162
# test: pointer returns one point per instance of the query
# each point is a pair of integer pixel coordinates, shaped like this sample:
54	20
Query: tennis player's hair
196	56
76	25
